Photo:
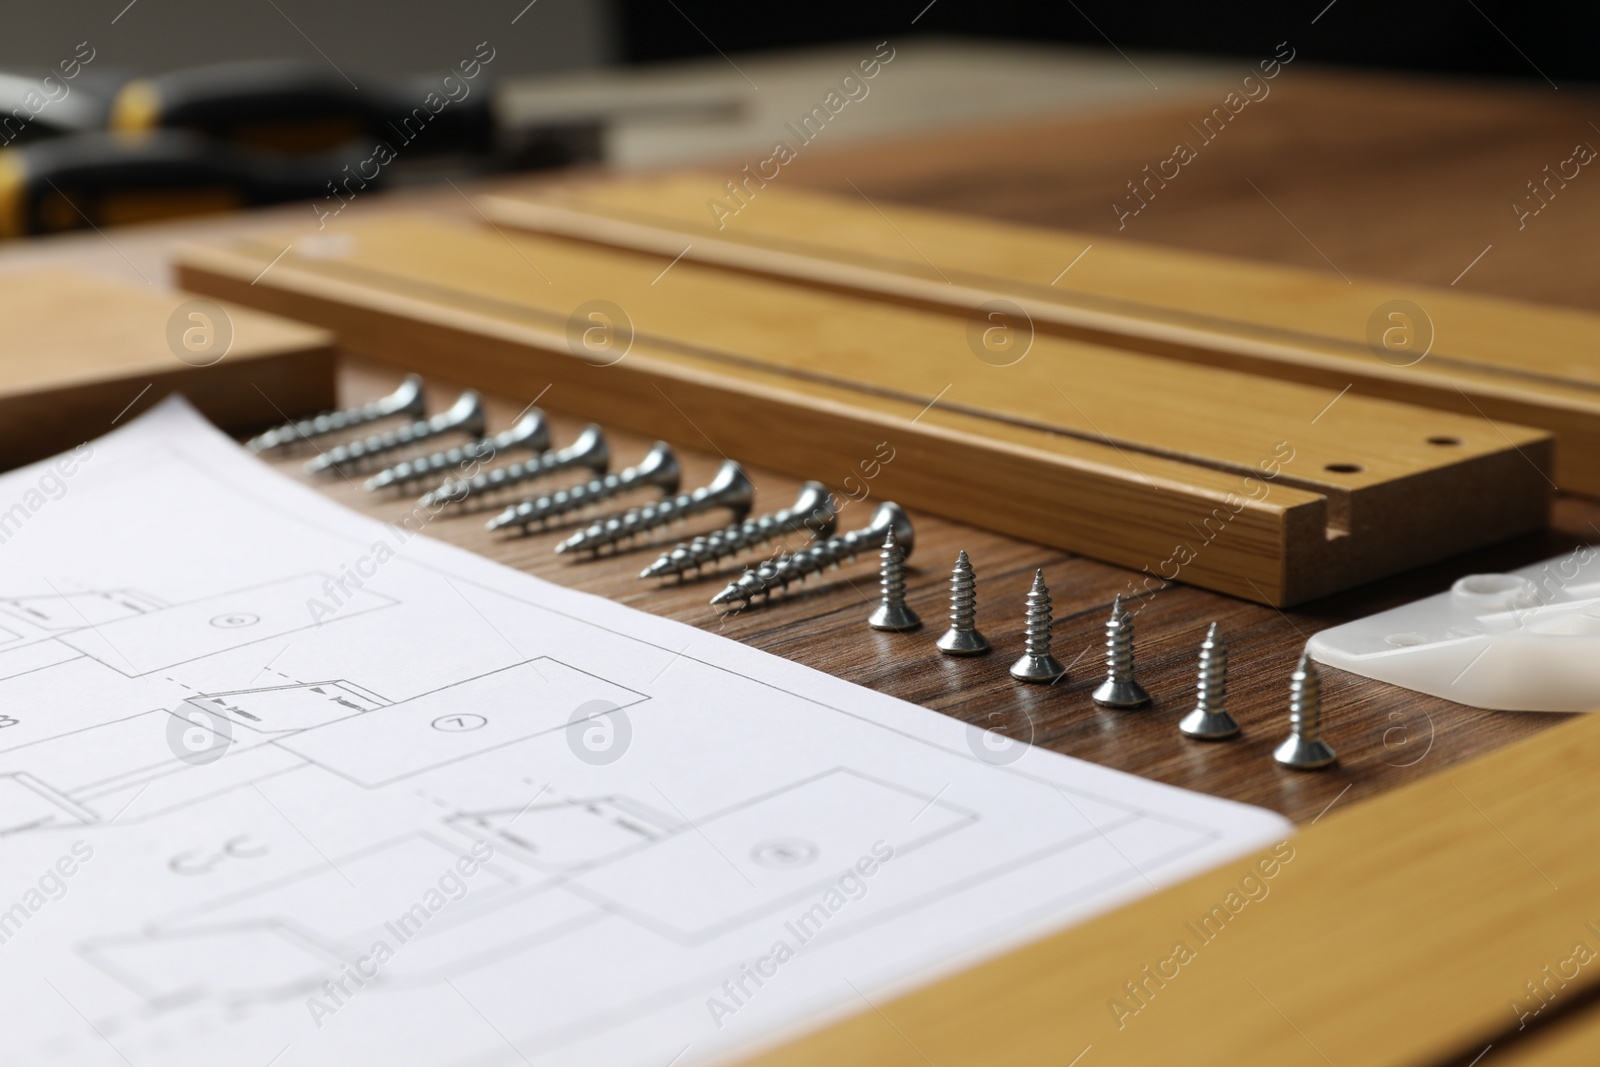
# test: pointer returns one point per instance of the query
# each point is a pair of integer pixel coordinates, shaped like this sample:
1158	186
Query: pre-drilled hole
1344	468
1443	441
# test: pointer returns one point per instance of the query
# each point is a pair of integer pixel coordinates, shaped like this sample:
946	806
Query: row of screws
1208	721
814	510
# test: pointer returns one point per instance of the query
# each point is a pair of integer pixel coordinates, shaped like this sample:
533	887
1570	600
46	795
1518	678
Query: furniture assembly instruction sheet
281	784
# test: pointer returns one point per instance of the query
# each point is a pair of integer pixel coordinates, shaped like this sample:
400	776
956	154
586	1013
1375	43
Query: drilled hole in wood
1444	441
1344	468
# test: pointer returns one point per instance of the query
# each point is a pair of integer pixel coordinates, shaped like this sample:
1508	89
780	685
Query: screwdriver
108	179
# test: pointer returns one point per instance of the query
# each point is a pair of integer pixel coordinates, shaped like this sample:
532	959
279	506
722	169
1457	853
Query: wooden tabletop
1361	174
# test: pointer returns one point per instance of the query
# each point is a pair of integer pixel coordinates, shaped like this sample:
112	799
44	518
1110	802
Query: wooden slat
1399	933
1500	358
82	352
1124	456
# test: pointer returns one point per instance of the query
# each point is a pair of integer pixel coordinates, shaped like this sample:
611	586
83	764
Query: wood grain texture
82	353
1385	736
1407	178
1393	178
1149	462
1451	350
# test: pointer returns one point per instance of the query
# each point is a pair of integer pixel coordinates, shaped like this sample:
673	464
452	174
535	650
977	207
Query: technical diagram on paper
283	784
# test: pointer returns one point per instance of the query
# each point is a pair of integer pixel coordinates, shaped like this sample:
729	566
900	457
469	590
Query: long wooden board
1269	490
1451	350
82	353
1400	932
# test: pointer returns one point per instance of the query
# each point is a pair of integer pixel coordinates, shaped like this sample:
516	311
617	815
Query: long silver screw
731	489
892	612
963	638
1305	749
818	557
589	452
531	432
658	469
1120	690
1037	664
466	416
1210	721
405	400
814	509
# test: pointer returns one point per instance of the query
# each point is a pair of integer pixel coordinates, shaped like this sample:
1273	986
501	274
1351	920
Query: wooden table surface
1380	176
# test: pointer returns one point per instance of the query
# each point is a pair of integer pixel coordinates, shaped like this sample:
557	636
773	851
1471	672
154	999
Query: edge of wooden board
111	359
1399	932
1273	549
1570	408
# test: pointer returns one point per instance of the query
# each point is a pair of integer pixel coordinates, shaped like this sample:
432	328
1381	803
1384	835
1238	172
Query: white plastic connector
1524	641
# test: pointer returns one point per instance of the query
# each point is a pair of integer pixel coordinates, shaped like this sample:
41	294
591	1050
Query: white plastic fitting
1524	641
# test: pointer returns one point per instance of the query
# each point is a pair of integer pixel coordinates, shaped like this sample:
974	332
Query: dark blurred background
1482	37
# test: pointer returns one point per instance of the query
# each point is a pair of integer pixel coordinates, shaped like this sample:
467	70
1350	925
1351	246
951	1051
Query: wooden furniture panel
1146	461
1452	350
82	353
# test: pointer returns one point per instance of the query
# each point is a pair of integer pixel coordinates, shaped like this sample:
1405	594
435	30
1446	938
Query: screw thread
636	521
414	470
406	399
728	541
1039	623
1305	701
574	497
466	418
541	466
1211	687
795	566
1119	643
892	572
963	595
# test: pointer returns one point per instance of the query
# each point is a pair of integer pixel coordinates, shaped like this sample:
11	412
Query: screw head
1304	755
893	617
962	643
1209	726
1045	669
1114	694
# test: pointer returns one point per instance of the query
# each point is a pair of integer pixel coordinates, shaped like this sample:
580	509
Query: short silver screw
892	612
1305	748
813	510
818	557
1120	690
1037	664
963	638
408	399
730	489
589	452
1210	721
531	433
658	469
465	416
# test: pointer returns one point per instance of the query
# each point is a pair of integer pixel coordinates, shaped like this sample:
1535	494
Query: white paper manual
281	784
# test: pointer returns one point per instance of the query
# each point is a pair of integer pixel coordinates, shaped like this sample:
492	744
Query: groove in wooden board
1269	320
84	353
1144	404
1422	510
1394	936
1569	1041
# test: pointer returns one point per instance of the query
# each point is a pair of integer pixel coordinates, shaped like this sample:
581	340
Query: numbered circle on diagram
1002	737
197	736
785	853
599	332
999	332
1399	332
599	732
199	332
